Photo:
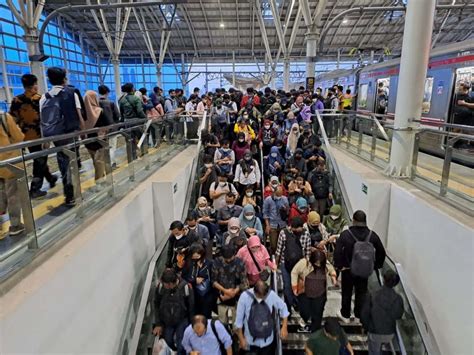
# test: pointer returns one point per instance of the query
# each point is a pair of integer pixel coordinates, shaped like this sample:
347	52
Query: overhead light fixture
345	21
222	25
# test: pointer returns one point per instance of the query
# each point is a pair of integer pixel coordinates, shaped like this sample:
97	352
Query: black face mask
298	233
298	157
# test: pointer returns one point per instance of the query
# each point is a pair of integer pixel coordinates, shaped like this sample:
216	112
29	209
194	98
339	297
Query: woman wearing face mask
235	235
335	224
273	184
289	122
206	215
249	197
267	136
299	209
240	146
198	273
293	137
318	233
261	256
308	281
274	163
250	223
247	173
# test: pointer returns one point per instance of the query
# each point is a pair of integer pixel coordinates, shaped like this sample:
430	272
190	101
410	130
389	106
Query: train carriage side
448	66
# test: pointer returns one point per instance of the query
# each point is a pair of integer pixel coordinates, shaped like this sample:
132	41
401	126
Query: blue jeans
290	298
174	336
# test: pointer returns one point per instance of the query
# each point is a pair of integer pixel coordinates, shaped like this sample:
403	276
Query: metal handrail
334	164
78	134
133	345
279	346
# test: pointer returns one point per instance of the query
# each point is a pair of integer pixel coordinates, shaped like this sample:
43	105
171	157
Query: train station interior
258	177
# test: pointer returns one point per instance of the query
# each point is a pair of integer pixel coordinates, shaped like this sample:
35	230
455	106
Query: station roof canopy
210	30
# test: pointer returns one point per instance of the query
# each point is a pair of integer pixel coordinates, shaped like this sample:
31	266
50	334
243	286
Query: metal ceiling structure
252	30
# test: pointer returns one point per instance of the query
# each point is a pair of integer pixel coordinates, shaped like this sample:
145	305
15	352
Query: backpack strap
214	330
367	239
254	260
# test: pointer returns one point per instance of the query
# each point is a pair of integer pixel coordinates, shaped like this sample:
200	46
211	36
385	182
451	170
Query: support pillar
118	85
311	46
36	67
413	67
183	71
286	74
159	76
233	69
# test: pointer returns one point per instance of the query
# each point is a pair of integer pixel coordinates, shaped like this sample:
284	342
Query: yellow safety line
44	207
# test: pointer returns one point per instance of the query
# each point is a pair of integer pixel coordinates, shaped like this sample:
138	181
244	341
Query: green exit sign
364	188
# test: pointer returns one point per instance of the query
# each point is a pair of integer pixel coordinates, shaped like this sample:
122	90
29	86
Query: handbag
263	274
204	287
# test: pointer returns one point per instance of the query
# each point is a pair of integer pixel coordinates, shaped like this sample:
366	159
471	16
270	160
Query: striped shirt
305	241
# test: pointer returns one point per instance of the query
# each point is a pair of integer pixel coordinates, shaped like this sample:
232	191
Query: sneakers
342	318
16	230
70	203
37	193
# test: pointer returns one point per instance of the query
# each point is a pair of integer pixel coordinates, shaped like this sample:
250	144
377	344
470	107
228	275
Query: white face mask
274	187
274	155
334	217
249	194
193	228
249	218
223	184
225	149
267	127
241	140
178	237
202	208
208	165
234	231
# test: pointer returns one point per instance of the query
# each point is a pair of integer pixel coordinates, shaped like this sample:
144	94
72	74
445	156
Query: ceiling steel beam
279	30
207	23
379	9
69	8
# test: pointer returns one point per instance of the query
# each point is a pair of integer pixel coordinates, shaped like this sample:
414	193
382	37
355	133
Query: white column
311	46
118	85
413	67
286	74
159	77
36	67
233	69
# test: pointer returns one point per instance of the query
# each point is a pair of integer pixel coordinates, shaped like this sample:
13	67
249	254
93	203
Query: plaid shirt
305	241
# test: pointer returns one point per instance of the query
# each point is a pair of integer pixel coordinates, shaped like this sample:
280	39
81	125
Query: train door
382	95
463	75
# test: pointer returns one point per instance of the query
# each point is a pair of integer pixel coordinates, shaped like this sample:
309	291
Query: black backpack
260	321
320	185
293	250
173	307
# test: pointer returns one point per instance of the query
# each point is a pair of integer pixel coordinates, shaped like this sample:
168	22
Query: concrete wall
77	301
436	250
433	242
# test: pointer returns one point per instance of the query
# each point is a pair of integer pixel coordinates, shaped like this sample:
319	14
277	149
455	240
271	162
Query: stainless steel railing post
447	166
373	146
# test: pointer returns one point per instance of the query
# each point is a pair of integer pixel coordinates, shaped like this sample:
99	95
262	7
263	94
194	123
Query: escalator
410	337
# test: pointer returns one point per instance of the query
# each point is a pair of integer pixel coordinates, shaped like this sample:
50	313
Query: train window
427	95
362	100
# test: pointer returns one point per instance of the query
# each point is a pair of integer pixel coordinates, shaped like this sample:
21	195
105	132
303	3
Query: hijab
278	158
293	138
244	222
93	109
335	225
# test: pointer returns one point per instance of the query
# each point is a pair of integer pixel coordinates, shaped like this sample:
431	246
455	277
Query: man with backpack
224	158
172	110
174	308
207	337
60	111
380	313
255	322
294	244
321	185
358	253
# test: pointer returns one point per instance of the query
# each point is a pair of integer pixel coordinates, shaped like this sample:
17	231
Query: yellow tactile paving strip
425	169
55	197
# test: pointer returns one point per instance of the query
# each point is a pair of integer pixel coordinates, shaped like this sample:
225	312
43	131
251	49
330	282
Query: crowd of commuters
256	214
262	213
